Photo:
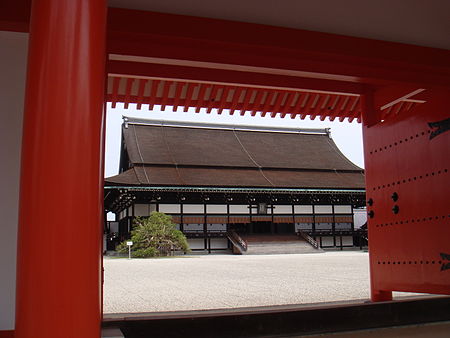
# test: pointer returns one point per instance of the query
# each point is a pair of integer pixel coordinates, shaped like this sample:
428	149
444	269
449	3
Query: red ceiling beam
235	99
212	97
165	94
332	67
189	93
129	84
154	91
267	103
276	107
141	90
210	75
224	99
115	91
288	104
201	97
257	102
246	103
315	54
232	32
180	86
301	105
311	54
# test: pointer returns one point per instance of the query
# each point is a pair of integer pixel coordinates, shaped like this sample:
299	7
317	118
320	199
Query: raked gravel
229	281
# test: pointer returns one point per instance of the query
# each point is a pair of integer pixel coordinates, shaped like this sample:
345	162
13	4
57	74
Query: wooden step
277	244
270	238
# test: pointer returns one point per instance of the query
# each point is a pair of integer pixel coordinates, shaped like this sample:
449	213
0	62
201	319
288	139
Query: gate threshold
282	320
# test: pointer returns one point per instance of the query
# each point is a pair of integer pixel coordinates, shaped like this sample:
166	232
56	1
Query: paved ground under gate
229	281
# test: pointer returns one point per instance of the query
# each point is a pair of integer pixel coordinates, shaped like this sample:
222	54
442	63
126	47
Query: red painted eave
122	23
177	60
190	28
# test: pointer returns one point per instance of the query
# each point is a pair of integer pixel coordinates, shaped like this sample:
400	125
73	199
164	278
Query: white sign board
129	243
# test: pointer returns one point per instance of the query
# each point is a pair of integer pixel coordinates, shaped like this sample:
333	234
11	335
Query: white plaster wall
216	208
323	209
326	241
346	240
193	208
196	243
170	208
219	243
282	209
342	209
239	209
13	54
303	209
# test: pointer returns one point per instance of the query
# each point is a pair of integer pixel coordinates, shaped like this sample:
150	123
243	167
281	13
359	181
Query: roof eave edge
245	189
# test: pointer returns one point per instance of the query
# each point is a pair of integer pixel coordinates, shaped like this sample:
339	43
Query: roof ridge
237	127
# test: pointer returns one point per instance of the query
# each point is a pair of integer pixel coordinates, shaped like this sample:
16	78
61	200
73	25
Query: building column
353	218
127	215
60	214
293	217
313	228
272	227
228	216
333	227
205	229
181	218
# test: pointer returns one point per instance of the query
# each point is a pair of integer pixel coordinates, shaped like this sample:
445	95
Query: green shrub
154	236
144	253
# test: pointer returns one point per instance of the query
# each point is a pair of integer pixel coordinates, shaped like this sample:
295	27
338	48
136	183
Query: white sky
347	136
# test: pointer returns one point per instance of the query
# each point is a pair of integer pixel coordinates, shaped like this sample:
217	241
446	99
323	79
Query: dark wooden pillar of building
205	230
333	227
181	218
353	219
313	227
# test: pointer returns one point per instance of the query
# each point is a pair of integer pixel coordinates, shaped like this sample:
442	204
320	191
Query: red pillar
60	226
371	116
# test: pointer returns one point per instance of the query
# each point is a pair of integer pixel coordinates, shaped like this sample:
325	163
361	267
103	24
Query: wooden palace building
223	184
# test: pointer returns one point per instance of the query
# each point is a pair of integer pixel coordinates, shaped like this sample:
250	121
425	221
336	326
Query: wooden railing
308	238
237	240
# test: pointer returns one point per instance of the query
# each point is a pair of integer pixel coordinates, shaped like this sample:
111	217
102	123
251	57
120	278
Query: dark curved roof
161	155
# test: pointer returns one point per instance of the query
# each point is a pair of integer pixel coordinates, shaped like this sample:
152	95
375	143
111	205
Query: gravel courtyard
226	281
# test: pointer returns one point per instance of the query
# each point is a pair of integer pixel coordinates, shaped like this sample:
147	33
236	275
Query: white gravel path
226	281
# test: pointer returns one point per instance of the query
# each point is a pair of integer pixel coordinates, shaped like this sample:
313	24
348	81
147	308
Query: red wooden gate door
407	155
